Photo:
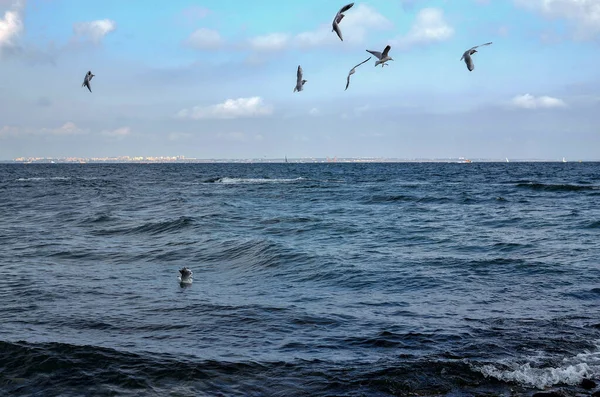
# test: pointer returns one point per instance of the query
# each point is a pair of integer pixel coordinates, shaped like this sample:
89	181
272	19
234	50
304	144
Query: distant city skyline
216	80
335	159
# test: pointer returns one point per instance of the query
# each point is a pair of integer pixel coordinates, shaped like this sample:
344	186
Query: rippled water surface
309	279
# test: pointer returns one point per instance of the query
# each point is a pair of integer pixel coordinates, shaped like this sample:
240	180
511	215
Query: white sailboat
564	160
507	160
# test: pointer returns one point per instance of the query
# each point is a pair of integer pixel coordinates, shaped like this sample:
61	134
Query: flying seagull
467	56
353	71
338	19
383	58
87	79
299	82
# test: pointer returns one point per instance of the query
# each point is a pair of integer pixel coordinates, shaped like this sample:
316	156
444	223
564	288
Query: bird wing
299	75
347	82
385	52
345	8
337	30
480	45
87	84
376	53
469	63
361	63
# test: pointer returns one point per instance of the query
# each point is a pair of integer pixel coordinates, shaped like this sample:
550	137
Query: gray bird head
304	81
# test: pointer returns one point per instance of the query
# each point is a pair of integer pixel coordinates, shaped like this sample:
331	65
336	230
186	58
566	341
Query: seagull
383	58
87	79
186	274
299	82
338	19
467	56
353	71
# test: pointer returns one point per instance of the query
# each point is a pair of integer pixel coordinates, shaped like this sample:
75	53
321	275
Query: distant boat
463	160
286	159
507	160
564	160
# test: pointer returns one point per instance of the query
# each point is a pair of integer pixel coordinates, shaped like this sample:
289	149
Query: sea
324	279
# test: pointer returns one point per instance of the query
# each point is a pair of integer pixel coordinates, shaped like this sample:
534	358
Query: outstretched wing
299	75
361	63
480	45
469	63
347	82
385	52
376	53
87	84
345	8
337	30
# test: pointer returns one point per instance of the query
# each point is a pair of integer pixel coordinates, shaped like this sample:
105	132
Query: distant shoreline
277	161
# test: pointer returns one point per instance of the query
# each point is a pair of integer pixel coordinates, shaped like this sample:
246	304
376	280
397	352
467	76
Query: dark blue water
309	279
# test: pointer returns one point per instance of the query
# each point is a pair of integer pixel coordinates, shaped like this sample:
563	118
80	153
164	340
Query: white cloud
270	42
313	112
94	31
230	109
118	133
358	21
584	15
528	101
11	25
429	27
205	39
68	128
8	130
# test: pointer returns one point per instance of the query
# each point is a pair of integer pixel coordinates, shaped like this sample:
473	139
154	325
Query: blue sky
215	79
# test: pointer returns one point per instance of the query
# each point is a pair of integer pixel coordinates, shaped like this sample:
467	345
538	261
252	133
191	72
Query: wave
58	369
227	180
39	179
557	187
152	228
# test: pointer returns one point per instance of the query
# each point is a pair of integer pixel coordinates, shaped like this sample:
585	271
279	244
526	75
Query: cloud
68	128
230	109
584	15
269	42
11	26
94	31
528	101
313	112
118	133
204	39
429	27
8	130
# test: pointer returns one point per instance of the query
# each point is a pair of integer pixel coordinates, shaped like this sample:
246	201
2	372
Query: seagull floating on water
383	57
467	56
186	274
87	79
338	19
299	82
352	71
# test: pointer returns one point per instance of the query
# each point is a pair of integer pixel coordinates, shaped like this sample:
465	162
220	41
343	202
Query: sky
215	79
